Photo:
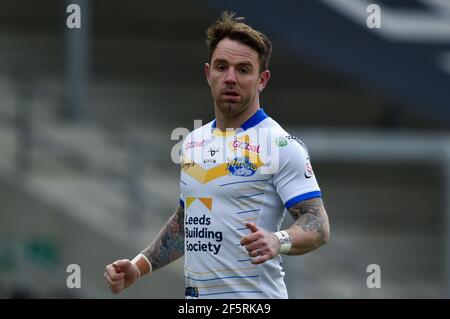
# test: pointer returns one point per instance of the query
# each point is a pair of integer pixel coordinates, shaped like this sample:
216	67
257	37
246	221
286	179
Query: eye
220	67
243	70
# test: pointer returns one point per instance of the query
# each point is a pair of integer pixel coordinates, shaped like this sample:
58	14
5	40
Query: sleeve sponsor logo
281	141
308	169
294	138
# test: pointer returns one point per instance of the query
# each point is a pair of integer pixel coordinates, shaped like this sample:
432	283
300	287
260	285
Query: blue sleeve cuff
299	198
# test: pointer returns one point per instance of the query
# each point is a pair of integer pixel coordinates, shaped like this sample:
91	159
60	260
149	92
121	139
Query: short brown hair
229	26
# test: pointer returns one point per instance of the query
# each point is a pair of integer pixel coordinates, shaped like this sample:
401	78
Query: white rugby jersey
230	178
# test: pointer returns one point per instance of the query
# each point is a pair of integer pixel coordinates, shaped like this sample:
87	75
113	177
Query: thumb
252	227
121	264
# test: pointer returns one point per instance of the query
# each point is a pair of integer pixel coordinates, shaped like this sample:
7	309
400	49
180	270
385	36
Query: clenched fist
121	274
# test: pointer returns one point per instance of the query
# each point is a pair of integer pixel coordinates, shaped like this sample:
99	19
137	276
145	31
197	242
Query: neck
224	121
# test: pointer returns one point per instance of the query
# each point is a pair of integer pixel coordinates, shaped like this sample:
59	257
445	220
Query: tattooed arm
169	244
167	247
310	229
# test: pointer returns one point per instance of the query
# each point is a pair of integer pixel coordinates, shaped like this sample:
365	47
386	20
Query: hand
260	244
121	274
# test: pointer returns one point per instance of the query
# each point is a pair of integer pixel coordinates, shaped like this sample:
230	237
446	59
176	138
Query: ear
263	79
207	73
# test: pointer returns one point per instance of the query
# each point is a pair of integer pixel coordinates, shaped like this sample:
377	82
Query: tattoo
169	244
310	215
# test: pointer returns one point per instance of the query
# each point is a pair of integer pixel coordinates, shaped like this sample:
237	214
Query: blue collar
254	120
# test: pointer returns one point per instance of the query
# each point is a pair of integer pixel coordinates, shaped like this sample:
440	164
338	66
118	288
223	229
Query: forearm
169	243
310	229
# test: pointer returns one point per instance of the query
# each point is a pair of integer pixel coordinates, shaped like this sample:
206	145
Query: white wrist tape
285	241
143	264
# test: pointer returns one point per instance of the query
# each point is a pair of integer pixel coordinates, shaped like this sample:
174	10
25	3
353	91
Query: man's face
234	76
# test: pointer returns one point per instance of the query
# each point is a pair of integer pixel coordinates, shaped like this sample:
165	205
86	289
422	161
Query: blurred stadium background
86	118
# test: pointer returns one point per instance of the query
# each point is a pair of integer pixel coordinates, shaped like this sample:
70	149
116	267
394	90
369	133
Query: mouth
231	95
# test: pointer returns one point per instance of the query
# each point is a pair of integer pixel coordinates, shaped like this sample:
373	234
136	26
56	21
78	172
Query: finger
260	259
122	263
111	282
250	238
252	227
110	270
253	236
116	290
119	276
255	253
113	273
253	246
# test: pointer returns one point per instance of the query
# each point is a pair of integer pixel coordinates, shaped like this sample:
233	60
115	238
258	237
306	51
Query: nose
230	77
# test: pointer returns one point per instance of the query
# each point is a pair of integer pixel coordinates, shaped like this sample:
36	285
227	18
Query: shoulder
283	140
197	137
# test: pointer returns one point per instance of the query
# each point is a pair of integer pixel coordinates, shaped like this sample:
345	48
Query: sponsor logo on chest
245	146
195	144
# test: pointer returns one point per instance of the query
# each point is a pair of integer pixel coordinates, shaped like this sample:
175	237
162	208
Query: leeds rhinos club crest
241	166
